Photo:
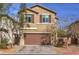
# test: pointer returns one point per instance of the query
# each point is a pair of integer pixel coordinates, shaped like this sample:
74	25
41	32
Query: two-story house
37	24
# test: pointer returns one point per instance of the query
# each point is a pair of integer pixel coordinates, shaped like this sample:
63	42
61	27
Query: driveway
37	49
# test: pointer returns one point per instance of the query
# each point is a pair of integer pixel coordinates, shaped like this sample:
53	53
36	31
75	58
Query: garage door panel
33	39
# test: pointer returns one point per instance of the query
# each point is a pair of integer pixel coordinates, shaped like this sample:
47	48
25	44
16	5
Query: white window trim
39	23
37	32
44	23
30	28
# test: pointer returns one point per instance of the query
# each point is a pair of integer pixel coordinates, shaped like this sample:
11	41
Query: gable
27	11
38	6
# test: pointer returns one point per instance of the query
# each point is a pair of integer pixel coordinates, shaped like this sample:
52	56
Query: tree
21	20
61	33
53	34
4	7
21	15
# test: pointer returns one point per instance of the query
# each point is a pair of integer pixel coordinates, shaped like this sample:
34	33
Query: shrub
4	43
61	33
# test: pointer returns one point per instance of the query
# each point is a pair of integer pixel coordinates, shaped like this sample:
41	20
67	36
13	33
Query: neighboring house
73	30
6	27
37	24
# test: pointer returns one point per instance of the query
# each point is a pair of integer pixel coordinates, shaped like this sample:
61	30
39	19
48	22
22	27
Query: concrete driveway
37	49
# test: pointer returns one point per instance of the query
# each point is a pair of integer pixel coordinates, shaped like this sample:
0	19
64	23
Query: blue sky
66	12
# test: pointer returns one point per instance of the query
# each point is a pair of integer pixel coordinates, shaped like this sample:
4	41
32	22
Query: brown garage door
35	39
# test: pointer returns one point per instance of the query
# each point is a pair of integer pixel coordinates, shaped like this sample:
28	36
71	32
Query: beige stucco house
38	21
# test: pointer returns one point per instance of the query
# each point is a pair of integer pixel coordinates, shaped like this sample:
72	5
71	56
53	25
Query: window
29	18
45	18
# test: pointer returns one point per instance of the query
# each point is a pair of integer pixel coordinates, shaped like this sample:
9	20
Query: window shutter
32	18
49	18
40	18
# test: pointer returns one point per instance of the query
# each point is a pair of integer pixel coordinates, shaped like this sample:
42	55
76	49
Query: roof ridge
44	8
32	10
28	9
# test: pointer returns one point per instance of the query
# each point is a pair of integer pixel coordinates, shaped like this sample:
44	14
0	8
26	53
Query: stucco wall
43	11
41	27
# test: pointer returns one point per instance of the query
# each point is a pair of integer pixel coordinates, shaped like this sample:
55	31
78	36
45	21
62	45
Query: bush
61	33
4	43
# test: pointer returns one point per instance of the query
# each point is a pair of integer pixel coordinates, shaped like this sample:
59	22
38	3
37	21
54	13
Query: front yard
46	50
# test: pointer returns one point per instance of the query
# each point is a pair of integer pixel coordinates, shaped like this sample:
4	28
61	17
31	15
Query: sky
66	12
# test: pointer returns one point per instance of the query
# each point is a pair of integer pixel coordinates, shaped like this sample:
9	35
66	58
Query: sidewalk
11	50
71	50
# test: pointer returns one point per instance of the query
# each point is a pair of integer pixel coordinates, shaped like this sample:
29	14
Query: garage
36	38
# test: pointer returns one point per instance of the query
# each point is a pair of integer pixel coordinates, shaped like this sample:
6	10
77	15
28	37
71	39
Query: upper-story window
29	18
45	19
